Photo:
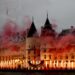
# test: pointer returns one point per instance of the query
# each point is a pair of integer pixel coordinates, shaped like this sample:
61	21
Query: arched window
45	56
72	57
66	56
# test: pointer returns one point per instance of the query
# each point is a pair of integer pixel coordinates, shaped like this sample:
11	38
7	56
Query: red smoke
11	30
65	40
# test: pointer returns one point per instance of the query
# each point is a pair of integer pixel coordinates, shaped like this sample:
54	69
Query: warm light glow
72	65
37	62
62	64
68	64
31	61
50	63
31	68
14	64
17	60
46	63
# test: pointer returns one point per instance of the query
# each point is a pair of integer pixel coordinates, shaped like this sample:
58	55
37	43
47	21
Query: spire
32	30
47	24
47	14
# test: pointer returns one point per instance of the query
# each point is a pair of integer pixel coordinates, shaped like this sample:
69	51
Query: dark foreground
36	72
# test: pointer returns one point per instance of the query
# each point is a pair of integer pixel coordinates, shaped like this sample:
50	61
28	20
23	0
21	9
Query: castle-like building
47	51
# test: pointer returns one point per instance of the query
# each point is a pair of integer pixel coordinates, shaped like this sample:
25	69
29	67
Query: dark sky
62	12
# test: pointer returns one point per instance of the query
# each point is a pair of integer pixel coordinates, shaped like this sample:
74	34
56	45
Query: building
47	51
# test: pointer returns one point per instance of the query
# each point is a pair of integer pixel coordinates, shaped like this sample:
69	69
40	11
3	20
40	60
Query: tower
47	41
47	33
47	29
32	45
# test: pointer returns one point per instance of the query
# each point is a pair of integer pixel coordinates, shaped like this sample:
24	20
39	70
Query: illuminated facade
47	51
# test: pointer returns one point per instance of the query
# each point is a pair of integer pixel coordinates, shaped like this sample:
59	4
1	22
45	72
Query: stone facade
47	51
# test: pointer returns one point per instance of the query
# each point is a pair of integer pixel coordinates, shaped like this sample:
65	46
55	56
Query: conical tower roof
47	24
32	30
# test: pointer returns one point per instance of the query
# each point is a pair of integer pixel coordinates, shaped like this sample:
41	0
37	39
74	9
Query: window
49	56
34	47
45	56
66	61
29	47
29	57
55	61
55	58
72	57
28	52
34	52
44	50
34	57
60	61
66	57
38	54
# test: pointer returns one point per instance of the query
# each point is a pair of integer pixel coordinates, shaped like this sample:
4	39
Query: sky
60	12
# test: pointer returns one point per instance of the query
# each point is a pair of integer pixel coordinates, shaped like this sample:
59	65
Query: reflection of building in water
46	51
